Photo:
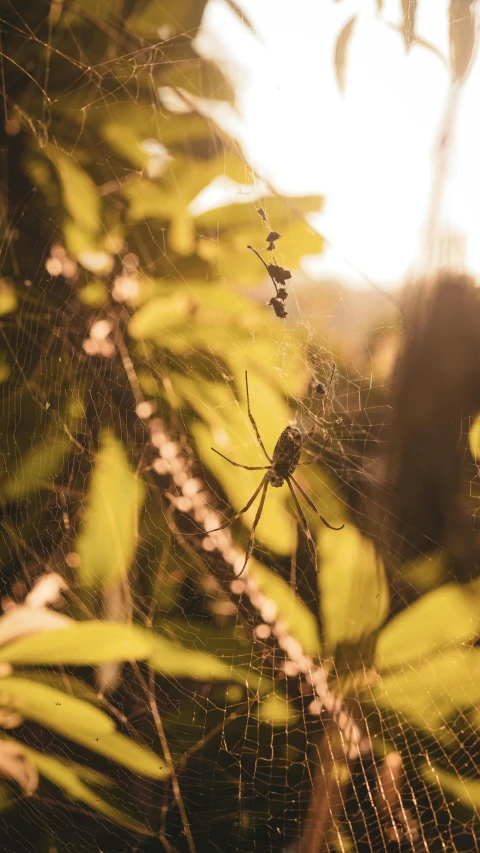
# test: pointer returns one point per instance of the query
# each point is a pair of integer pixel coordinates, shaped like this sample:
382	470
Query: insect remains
280	469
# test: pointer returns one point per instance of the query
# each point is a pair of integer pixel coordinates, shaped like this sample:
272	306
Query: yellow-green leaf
53	708
289	608
37	467
67	777
80	195
444	617
84	644
352	586
107	541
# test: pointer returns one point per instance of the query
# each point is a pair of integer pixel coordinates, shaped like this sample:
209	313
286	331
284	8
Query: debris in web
278	275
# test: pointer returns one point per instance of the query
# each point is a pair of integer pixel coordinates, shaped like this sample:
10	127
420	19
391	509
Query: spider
280	469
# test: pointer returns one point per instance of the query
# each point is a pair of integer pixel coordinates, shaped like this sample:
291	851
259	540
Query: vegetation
152	697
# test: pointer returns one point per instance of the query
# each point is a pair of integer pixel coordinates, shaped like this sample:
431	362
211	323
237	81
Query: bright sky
370	151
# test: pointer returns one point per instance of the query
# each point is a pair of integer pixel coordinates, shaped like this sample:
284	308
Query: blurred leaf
68	779
38	466
21	620
444	617
463	36
125	751
352	587
8	297
277	711
167	19
53	708
409	11
231	429
16	765
175	661
152	318
201	77
432	692
80	195
84	644
455	789
474	439
341	51
107	542
287	607
241	14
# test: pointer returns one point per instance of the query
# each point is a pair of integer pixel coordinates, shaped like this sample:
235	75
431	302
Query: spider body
280	469
286	456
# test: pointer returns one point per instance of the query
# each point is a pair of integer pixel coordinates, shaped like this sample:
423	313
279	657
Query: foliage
128	321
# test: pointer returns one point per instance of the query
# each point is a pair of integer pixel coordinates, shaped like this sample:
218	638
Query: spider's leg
251	538
247	506
252	420
312	505
304	523
239	464
318	455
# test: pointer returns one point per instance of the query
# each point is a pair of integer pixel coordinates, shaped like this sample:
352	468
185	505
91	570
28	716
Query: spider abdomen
286	455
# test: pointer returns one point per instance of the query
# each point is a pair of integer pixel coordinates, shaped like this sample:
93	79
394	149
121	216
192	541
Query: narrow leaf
68	779
463	36
53	708
80	195
409	11
341	51
84	644
106	544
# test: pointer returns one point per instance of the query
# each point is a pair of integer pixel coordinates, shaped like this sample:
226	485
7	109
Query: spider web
329	712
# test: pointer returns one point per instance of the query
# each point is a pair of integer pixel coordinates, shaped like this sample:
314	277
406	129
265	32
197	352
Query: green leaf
289	608
38	467
53	708
125	751
277	711
85	644
474	439
455	789
352	587
176	661
68	778
106	544
155	316
232	434
441	618
80	195
431	693
172	18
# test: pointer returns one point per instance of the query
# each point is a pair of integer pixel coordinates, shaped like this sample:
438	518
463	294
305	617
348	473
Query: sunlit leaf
154	20
80	195
106	544
53	708
231	433
289	608
409	11
22	620
38	466
125	751
352	586
430	693
84	644
444	617
277	711
175	661
15	764
341	51
68	778
463	36
455	788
